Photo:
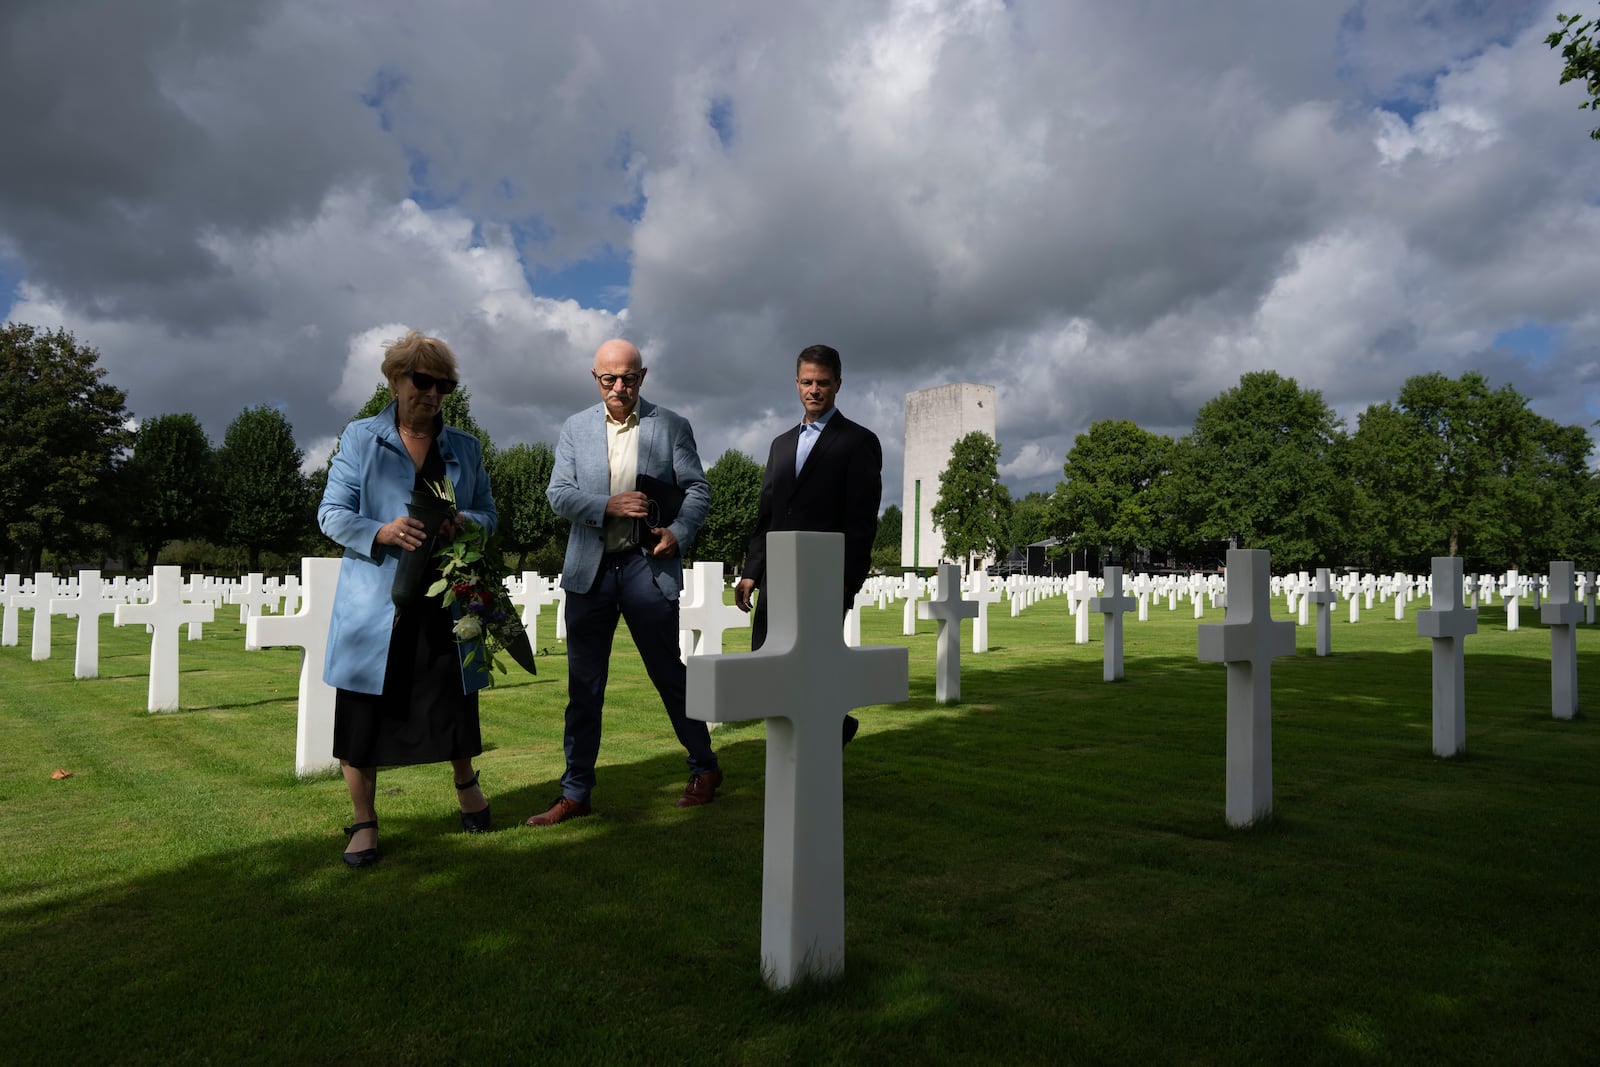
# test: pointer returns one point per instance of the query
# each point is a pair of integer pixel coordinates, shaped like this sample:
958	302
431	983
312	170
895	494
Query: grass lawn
1041	874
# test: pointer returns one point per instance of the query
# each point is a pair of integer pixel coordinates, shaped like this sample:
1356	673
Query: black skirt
422	716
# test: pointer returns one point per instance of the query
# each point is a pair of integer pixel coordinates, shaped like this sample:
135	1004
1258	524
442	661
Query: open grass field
1041	874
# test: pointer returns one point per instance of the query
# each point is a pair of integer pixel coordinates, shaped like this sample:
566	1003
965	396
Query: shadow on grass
1041	874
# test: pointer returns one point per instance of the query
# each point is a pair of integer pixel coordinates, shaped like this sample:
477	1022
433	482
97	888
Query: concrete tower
935	420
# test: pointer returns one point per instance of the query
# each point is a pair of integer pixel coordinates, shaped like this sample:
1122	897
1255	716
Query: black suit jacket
837	491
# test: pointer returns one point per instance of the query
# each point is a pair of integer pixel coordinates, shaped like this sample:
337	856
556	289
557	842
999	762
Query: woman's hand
404	533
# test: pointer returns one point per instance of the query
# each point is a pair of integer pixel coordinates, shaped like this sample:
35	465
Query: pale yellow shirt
622	453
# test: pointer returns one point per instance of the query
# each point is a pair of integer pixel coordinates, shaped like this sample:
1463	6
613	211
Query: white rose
468	627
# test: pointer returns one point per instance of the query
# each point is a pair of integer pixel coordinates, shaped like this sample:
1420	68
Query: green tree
263	496
886	543
974	509
1391	475
1032	520
1114	490
1263	469
1578	49
735	505
62	436
171	481
520	475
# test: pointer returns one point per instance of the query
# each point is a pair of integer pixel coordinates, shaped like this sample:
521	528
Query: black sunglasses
424	382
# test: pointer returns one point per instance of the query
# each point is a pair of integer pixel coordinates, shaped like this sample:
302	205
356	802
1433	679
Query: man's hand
632	505
667	545
741	593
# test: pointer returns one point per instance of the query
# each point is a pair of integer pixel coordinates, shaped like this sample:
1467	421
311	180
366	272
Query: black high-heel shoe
474	822
367	856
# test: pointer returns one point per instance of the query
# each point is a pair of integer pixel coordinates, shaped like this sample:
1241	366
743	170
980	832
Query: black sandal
367	856
474	822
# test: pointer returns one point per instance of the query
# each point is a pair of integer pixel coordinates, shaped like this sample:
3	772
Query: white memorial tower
935	420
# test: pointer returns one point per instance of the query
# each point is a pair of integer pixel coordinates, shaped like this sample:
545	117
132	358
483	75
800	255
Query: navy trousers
623	587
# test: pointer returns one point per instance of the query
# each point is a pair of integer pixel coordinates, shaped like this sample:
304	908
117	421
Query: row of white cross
808	676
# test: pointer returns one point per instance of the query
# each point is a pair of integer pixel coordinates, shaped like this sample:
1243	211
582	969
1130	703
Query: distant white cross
707	614
307	629
1112	605
91	602
1448	623
803	681
1248	640
1512	595
947	609
1562	614
9	588
36	598
1323	596
164	612
983	596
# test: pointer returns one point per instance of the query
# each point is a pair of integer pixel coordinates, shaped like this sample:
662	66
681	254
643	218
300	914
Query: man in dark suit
825	474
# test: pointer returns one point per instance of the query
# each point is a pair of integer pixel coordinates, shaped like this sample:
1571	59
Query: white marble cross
983	595
864	598
1513	601
910	590
1588	597
253	598
948	609
1079	593
91	602
803	681
704	615
1562	614
1112	605
10	587
531	595
164	612
37	599
307	629
1323	596
1248	640
1142	586
1448	623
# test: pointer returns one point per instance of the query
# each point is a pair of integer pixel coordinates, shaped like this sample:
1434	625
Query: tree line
1451	467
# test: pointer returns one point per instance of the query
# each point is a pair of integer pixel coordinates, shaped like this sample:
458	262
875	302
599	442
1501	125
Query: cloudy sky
1105	208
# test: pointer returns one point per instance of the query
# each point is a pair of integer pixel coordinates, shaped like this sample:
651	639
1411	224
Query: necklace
415	436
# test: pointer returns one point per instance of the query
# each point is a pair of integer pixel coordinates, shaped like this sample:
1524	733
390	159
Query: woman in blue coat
403	696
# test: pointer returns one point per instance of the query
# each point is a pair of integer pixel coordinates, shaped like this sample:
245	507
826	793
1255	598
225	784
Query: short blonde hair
418	352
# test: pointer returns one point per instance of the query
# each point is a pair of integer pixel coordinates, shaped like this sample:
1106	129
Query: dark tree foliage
974	508
735	504
1032	519
1576	39
171	483
519	476
62	436
1115	492
1263	469
886	542
263	496
1484	477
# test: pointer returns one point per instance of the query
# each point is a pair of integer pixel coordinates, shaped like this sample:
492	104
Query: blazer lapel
820	450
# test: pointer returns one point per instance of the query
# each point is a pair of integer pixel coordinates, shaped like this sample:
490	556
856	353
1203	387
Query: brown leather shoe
562	810
702	789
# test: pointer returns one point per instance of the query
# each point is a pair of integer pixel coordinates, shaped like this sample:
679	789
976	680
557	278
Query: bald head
620	362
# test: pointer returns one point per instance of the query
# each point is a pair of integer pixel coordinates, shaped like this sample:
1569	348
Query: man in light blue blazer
608	574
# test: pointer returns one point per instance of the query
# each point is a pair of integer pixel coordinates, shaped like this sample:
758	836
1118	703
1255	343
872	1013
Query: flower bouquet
487	615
